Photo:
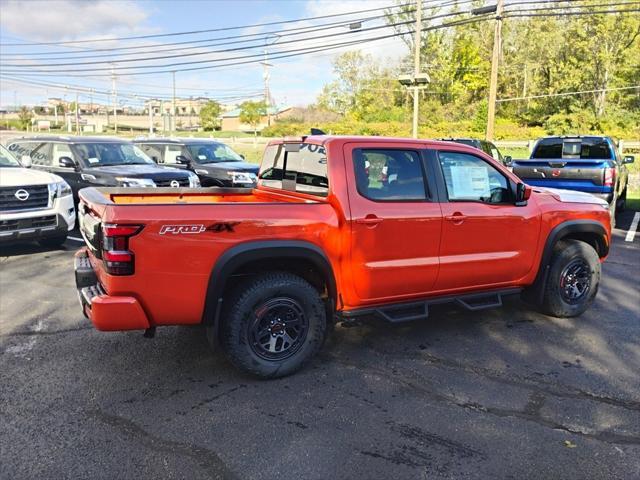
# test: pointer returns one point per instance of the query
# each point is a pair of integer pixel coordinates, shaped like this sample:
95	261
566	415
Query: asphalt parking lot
505	393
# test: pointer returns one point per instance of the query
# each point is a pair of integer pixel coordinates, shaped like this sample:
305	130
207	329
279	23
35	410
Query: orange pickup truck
337	228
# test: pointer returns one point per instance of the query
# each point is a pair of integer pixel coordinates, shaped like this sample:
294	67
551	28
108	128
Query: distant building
184	106
230	121
85	108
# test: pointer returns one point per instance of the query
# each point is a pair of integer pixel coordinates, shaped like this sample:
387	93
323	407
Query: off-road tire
53	242
622	201
241	311
568	255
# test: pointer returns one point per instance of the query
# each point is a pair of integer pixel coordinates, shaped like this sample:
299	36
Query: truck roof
324	139
177	141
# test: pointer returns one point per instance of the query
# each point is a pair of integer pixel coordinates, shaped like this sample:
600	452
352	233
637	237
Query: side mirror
25	160
523	193
182	159
628	159
508	160
67	162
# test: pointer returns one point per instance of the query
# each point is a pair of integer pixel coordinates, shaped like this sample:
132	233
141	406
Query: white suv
34	205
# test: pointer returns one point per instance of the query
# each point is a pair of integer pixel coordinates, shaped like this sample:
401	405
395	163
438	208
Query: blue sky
294	81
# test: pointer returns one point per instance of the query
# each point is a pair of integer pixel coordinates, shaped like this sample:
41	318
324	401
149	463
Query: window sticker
202	157
93	160
470	182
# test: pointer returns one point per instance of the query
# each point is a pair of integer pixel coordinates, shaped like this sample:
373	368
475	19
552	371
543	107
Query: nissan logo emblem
175	183
21	194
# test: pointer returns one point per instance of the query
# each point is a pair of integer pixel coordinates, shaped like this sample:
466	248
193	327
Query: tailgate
90	228
584	175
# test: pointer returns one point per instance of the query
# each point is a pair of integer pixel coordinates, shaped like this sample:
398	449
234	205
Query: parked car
33	205
215	163
487	147
98	161
321	237
591	164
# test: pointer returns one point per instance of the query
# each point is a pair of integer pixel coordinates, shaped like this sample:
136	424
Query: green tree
252	112
209	115
24	117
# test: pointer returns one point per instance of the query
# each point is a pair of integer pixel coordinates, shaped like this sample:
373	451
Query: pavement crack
28	333
206	459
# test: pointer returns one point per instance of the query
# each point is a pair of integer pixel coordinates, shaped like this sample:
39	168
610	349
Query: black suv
487	147
98	161
215	163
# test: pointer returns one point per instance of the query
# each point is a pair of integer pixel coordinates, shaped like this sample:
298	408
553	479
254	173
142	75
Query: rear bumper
106	312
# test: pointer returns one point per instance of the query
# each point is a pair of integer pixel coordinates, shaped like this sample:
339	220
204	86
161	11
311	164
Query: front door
395	223
486	239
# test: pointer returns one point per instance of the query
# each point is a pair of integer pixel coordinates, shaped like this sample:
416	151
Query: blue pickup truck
591	164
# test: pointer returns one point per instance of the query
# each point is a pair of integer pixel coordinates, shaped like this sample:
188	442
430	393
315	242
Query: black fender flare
248	252
560	231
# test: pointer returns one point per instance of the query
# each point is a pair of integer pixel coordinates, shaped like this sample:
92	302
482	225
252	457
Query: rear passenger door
395	222
487	241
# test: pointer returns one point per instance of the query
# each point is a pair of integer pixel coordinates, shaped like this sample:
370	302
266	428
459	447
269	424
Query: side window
41	155
19	149
389	174
495	153
171	152
60	150
469	178
153	151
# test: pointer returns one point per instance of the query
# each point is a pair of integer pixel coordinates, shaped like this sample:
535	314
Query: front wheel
573	279
273	324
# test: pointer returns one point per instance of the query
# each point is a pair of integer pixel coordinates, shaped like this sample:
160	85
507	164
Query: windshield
103	154
6	159
213	153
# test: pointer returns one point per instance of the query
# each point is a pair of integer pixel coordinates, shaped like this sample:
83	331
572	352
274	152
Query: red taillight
609	176
118	260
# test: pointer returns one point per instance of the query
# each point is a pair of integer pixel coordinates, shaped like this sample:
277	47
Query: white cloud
58	20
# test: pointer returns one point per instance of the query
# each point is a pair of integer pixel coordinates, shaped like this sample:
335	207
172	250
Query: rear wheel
53	242
573	279
273	324
622	201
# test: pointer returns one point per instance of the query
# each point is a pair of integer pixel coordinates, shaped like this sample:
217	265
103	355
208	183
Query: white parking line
632	229
76	239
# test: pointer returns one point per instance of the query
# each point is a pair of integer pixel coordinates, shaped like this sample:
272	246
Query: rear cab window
585	148
304	171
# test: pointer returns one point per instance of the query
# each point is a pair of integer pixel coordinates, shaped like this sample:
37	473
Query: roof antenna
317	131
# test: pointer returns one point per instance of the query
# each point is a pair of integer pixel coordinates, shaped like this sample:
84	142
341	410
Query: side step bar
419	310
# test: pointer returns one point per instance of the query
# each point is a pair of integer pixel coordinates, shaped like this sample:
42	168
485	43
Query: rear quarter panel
172	269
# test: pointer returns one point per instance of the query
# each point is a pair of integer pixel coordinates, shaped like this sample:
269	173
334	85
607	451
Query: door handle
370	220
457	218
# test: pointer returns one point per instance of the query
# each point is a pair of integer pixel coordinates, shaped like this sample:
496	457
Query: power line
531	97
195	32
282	54
175	64
557	14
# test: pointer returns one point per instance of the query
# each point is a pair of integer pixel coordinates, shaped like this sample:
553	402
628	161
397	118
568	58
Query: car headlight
136	182
60	189
245	178
194	181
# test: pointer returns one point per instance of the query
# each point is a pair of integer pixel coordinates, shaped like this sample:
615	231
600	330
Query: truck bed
165	196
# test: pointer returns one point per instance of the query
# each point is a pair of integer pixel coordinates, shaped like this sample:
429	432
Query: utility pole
172	122
77	115
493	82
115	100
416	67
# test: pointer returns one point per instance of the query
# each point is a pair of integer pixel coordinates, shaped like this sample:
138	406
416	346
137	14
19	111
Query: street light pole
493	82
172	123
416	66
